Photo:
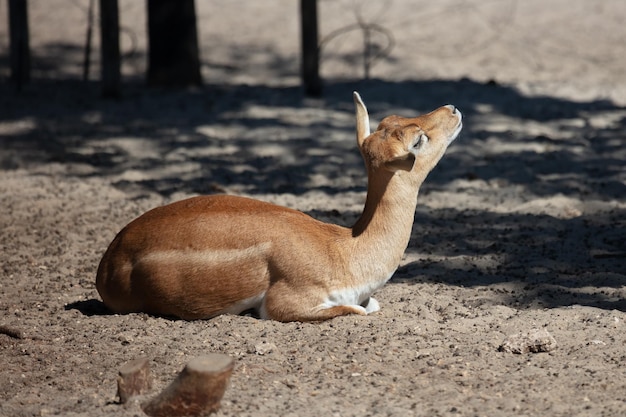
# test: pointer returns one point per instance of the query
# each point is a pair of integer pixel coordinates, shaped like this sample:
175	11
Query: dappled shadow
243	134
530	260
264	140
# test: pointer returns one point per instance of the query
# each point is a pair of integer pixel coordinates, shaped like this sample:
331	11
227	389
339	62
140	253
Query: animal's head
413	145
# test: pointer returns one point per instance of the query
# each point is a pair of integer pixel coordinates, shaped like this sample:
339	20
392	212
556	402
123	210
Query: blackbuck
211	255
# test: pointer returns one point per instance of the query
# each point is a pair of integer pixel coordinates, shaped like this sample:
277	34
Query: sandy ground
522	226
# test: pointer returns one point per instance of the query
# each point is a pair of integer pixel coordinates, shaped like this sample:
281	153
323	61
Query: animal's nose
455	112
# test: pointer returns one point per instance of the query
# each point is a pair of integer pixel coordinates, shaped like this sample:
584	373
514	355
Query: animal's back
150	267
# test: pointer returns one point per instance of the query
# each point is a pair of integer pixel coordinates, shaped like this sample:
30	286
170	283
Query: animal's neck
382	233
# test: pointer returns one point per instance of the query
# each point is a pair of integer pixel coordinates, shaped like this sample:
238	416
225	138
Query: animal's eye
420	141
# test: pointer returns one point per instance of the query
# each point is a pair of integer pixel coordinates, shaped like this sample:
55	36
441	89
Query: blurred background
532	43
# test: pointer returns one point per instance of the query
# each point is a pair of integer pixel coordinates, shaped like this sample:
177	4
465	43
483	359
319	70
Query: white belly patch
252	303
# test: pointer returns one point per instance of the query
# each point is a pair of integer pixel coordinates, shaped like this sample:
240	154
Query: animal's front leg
286	304
370	305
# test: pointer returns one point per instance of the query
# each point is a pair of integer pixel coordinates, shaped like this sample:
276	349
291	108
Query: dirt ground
521	227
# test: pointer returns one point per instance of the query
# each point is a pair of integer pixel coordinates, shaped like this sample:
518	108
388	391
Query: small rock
263	348
537	340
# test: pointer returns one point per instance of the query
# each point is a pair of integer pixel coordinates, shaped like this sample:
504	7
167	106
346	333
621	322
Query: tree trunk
18	32
310	49
134	379
173	58
196	391
110	48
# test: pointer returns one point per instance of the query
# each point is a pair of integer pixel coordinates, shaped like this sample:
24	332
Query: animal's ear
362	119
402	163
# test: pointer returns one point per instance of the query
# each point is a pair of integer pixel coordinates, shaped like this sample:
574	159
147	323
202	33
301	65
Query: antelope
222	254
